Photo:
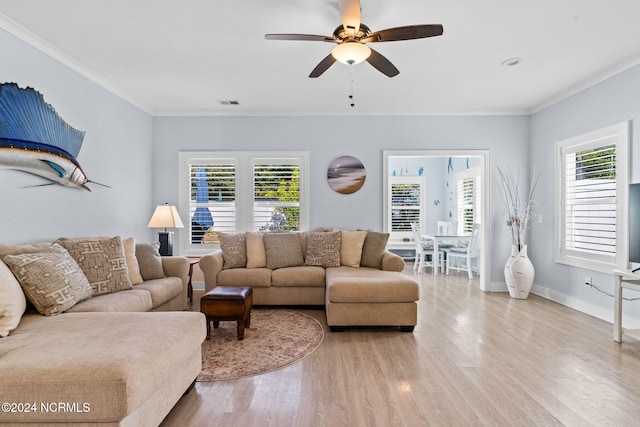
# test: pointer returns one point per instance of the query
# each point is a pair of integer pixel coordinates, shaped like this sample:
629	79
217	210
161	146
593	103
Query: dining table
437	240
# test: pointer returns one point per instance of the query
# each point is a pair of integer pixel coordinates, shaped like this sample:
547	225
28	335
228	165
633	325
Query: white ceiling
182	57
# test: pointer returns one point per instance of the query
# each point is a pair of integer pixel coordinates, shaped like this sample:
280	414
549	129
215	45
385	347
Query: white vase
519	273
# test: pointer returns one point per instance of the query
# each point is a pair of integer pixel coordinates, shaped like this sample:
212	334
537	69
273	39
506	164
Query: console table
624	279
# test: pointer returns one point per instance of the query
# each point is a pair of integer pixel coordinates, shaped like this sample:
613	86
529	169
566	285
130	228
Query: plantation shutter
468	199
212	201
590	200
276	196
406	204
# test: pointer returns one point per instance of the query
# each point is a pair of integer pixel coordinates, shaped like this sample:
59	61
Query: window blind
276	197
212	201
406	206
590	200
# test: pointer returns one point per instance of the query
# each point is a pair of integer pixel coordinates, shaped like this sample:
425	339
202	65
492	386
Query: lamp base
166	243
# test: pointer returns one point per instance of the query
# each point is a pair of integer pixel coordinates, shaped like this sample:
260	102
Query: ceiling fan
352	36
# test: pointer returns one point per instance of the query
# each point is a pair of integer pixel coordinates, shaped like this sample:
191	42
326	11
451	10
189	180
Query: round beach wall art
346	174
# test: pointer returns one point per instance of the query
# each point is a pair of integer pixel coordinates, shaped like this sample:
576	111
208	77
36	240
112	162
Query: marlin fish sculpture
36	140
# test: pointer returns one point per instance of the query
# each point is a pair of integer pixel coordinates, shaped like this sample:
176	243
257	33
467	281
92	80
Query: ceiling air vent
230	102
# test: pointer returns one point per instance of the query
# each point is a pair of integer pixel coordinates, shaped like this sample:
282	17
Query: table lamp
165	216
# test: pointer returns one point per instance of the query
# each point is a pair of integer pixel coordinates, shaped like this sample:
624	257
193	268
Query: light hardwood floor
474	359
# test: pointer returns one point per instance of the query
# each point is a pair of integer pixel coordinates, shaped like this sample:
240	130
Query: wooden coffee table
227	303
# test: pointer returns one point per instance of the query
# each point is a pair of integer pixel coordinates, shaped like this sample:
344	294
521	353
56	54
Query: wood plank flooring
474	359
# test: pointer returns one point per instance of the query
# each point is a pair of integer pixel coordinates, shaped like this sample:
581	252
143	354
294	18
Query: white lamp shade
351	52
165	216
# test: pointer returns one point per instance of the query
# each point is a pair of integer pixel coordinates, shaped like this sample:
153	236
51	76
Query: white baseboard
574	303
584	307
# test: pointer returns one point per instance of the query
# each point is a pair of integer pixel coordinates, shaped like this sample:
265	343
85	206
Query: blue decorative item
36	140
436	202
467	163
450	165
450	214
420	170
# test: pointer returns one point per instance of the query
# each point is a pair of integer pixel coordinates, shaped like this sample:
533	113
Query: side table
192	262
624	279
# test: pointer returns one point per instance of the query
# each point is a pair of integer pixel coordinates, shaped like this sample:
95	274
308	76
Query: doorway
435	178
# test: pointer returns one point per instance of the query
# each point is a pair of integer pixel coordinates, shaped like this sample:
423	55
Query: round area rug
276	338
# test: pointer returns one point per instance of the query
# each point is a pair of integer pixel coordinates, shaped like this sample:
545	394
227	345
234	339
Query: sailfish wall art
36	140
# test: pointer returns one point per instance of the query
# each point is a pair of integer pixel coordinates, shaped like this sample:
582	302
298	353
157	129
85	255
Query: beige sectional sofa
123	357
349	272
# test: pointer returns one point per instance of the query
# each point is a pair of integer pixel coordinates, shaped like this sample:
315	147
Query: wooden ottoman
227	303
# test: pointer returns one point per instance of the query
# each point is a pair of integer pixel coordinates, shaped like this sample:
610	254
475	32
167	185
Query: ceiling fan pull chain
351	85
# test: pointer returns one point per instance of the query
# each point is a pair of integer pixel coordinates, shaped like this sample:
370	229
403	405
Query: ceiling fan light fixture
351	52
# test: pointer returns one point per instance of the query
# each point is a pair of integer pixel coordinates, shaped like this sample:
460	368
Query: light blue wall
116	151
362	137
612	101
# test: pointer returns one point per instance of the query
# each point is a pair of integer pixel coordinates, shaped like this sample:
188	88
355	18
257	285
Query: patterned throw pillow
102	261
51	280
374	246
323	249
234	250
149	260
283	250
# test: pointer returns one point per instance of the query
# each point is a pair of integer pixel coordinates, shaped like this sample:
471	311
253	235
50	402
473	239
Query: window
406	205
226	192
467	199
591	199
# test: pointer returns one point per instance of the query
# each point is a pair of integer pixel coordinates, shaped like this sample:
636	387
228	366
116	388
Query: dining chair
423	250
461	258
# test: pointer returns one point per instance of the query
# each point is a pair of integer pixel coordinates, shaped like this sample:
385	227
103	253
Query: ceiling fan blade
408	32
323	66
350	15
382	64
304	37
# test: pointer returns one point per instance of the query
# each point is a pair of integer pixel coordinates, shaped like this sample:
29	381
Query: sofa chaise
349	272
121	356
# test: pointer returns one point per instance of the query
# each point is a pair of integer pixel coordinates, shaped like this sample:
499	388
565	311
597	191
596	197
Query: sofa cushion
149	260
252	277
283	250
102	261
131	300
234	250
12	301
133	269
370	285
373	249
298	276
113	361
323	249
351	247
162	290
23	249
51	280
256	254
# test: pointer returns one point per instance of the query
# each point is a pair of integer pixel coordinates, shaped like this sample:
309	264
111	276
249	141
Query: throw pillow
234	250
52	280
283	250
133	269
256	255
373	249
102	261
323	249
12	301
351	247
149	260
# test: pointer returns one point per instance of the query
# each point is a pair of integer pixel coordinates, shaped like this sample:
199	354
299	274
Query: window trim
244	188
618	135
